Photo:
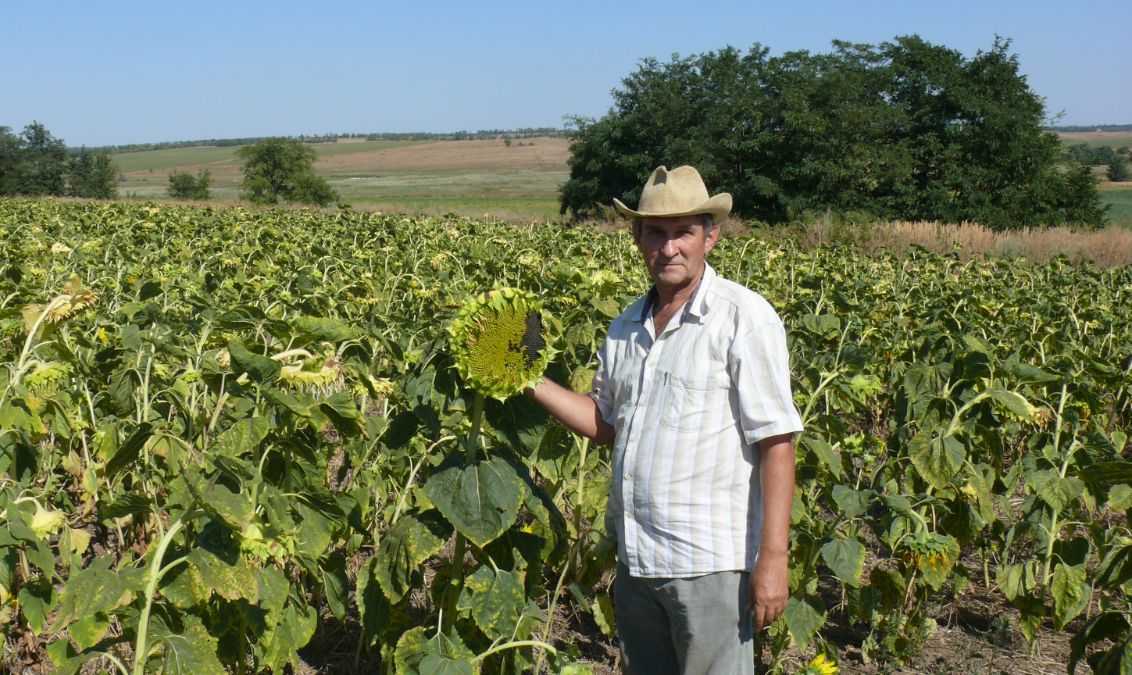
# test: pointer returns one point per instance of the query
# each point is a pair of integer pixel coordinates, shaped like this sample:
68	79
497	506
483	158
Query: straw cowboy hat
679	192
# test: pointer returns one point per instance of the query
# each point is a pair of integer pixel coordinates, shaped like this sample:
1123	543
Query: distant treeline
1094	127
483	134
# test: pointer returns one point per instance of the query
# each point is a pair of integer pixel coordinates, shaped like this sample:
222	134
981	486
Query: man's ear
711	238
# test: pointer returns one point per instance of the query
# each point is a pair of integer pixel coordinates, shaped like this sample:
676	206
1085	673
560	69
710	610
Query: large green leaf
129	450
373	607
804	619
1108	625
1016	581
242	438
480	500
1070	591
89	630
36	600
1014	402
1055	490
322	328
235	510
407	544
937	460
1117	471
294	627
93	590
825	453
259	368
846	558
418	653
335	583
852	503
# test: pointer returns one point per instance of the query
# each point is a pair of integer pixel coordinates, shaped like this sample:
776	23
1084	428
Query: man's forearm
576	412
777	481
769	589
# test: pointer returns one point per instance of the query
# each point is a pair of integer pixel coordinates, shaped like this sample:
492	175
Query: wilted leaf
497	600
231	581
190	652
407	544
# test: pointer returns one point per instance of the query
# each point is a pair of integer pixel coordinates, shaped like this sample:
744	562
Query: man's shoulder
747	304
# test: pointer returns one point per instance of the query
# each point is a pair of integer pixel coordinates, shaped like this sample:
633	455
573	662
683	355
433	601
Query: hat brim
719	206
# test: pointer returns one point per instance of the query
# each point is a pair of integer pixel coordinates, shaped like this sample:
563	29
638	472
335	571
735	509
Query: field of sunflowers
228	435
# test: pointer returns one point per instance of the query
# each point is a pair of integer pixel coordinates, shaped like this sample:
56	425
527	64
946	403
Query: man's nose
669	247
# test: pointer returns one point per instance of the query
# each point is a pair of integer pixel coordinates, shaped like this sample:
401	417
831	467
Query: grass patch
1098	139
1118	196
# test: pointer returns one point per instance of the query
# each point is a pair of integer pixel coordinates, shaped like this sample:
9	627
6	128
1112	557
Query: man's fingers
765	615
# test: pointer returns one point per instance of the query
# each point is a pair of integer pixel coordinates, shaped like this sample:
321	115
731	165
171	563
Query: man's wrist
774	552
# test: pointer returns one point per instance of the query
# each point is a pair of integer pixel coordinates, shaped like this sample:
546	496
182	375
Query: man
693	390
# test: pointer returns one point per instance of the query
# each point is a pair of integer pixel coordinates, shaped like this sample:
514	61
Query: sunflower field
233	439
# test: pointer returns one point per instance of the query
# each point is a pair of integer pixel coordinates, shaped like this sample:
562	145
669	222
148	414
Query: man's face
674	249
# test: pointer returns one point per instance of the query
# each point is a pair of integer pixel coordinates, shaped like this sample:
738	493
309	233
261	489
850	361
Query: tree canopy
186	186
901	130
282	169
37	163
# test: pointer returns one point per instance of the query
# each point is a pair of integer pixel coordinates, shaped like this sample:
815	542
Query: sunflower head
499	343
821	665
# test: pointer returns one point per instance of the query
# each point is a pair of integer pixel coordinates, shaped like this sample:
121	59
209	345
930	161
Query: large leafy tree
92	174
905	129
11	158
43	168
282	170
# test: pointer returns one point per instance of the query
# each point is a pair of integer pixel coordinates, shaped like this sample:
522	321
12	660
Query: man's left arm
769	586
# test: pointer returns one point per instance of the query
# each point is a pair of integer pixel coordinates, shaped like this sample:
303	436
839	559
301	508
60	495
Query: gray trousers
684	626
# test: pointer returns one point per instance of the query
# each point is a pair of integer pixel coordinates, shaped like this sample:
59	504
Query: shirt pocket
691	401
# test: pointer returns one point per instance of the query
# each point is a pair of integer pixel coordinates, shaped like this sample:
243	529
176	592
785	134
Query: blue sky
98	73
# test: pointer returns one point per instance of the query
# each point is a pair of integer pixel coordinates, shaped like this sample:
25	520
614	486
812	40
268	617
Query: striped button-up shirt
689	407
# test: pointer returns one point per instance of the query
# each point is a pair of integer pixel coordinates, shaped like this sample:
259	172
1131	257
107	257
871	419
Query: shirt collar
696	306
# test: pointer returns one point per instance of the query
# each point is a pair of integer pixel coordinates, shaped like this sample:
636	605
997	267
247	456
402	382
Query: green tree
44	162
11	158
92	175
903	130
186	186
1118	169
281	169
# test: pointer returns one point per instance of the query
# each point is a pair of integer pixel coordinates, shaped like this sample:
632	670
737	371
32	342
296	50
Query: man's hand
769	588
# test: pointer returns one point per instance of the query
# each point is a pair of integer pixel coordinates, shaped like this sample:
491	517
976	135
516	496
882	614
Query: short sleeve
600	390
760	369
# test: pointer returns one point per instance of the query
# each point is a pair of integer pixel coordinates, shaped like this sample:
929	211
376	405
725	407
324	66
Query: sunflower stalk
456	579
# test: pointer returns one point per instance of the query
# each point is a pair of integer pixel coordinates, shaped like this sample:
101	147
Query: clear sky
102	73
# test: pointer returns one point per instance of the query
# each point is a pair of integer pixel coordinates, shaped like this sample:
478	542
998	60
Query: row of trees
903	130
36	163
1115	160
